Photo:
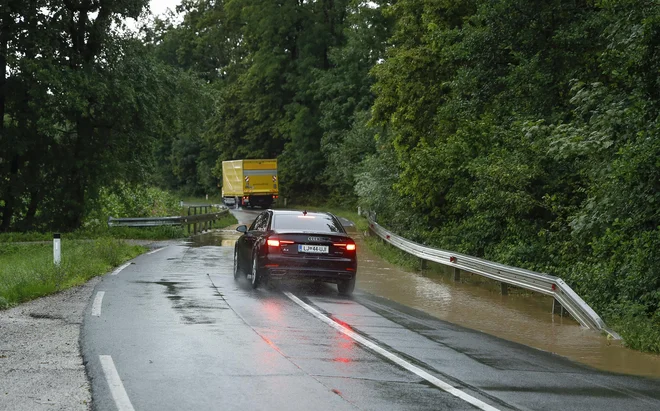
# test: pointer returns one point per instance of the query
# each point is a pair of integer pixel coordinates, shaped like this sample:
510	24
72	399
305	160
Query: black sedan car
296	244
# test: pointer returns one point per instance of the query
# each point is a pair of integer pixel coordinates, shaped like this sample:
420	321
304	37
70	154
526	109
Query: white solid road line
114	382
397	360
98	302
120	268
156	250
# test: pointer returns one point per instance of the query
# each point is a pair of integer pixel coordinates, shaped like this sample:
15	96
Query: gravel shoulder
40	363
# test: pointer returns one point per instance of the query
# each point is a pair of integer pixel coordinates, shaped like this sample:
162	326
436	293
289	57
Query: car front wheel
255	278
237	268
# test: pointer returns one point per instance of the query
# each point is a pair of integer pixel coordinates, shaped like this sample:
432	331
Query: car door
254	233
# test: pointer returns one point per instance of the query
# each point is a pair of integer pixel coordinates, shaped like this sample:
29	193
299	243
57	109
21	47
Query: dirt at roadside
40	363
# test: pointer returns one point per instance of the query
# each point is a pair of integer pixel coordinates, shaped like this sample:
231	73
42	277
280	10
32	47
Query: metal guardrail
530	280
195	222
144	222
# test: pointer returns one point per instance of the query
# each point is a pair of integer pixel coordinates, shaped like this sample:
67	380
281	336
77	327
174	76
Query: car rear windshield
317	222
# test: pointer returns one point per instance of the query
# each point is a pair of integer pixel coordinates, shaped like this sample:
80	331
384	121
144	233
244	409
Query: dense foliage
523	132
82	104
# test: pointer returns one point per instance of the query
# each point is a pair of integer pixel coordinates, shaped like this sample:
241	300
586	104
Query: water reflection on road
523	318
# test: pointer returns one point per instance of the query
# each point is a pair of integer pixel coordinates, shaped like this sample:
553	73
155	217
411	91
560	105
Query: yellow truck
250	182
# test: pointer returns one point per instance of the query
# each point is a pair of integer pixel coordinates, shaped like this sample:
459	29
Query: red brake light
349	247
274	243
286	242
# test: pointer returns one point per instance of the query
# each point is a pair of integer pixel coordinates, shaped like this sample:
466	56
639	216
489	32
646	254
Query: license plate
318	249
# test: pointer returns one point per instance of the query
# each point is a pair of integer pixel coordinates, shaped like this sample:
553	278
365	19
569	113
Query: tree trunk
8	208
78	179
4	39
4	21
35	200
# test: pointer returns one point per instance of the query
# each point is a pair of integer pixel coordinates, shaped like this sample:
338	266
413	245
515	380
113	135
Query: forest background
522	132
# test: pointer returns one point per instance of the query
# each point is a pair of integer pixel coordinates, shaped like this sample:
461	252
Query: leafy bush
126	200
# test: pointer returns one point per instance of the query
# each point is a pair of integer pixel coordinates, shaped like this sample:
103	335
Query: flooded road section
522	318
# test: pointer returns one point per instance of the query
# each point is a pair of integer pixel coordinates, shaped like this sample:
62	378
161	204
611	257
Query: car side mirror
242	228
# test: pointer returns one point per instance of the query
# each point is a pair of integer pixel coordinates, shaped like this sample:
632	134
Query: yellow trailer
250	182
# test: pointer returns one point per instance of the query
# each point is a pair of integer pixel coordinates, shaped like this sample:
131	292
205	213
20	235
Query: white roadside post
57	249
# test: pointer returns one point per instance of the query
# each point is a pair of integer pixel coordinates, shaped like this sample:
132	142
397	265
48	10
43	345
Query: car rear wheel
346	287
256	273
237	268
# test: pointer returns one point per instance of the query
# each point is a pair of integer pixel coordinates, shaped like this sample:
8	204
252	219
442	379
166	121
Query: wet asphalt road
181	334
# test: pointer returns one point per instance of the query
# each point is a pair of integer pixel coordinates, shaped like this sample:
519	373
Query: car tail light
286	242
349	247
273	242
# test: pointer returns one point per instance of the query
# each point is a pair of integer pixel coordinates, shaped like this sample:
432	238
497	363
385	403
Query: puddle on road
478	304
225	238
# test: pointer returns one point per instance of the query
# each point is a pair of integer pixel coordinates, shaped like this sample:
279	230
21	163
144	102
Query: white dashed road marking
392	357
114	382
119	269
98	302
156	250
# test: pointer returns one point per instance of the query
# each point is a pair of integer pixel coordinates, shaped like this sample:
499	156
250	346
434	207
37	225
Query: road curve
174	330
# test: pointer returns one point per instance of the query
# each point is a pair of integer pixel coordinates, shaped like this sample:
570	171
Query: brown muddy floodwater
477	304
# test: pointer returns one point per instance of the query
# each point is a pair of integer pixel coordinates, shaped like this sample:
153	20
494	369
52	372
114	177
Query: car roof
296	212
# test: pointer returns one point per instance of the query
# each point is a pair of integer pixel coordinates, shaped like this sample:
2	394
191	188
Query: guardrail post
422	264
505	288
559	307
196	224
457	274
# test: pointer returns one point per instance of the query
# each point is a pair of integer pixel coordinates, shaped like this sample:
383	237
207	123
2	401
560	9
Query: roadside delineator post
57	249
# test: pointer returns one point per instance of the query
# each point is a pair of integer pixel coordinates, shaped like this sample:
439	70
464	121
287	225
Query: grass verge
226	221
142	233
27	270
638	330
392	254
